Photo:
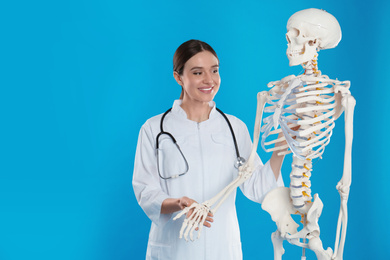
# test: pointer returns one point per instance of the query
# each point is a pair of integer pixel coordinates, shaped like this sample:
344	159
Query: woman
171	179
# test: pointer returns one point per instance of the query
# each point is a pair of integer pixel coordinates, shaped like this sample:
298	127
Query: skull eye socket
292	33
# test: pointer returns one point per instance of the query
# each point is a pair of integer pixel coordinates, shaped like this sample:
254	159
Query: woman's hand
171	205
186	202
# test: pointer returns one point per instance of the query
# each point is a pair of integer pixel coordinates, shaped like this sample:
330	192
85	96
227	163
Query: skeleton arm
246	170
348	103
200	211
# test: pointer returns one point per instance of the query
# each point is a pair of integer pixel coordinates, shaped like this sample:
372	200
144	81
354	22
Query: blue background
79	78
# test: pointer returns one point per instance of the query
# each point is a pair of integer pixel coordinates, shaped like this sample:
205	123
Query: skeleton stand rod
303	257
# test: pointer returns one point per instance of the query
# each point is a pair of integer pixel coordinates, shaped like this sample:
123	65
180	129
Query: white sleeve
146	181
263	179
261	182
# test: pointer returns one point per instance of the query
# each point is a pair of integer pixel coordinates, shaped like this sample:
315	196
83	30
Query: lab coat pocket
224	148
158	251
223	139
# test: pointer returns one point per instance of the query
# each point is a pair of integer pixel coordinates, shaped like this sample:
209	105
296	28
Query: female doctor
169	177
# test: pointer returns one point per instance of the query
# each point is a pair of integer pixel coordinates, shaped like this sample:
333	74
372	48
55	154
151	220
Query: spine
300	184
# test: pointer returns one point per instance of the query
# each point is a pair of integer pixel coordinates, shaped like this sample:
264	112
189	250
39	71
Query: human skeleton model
310	102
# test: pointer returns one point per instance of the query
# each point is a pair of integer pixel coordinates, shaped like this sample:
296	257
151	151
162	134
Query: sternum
300	191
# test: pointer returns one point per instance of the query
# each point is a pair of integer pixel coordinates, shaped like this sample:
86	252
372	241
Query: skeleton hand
198	215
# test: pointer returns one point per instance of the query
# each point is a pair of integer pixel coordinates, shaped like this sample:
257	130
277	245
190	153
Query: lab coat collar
176	109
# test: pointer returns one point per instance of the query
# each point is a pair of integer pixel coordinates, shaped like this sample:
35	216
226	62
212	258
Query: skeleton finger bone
192	224
183	227
185	210
193	221
203	220
186	220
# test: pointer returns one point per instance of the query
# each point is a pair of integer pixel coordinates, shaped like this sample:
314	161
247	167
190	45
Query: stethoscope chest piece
239	162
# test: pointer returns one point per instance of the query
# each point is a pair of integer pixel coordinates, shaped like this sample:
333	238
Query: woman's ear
177	78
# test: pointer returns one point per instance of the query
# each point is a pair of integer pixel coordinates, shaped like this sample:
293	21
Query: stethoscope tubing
239	161
231	130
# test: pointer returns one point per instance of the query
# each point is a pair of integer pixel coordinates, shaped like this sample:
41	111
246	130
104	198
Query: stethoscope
239	161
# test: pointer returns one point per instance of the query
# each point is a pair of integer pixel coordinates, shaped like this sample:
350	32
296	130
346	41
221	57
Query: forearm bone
200	211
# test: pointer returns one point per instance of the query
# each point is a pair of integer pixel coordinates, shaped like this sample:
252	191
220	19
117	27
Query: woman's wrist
170	205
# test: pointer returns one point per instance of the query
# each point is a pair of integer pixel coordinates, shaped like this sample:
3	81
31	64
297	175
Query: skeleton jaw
301	54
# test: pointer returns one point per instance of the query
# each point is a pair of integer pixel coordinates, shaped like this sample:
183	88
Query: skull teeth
295	53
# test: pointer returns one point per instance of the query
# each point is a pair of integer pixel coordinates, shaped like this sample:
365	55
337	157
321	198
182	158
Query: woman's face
200	79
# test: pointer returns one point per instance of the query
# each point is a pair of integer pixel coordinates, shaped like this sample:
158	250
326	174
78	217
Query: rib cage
309	105
304	109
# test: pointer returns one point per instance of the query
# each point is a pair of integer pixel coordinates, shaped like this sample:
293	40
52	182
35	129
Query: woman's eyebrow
197	68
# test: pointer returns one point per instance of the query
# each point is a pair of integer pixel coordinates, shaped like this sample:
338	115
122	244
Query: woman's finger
210	219
207	224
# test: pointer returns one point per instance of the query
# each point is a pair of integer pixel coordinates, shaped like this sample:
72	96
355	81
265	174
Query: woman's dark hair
186	51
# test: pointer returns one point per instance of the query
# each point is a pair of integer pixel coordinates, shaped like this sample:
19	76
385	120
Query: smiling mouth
206	89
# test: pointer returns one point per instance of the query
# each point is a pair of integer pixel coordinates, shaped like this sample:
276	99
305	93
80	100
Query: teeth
295	53
206	88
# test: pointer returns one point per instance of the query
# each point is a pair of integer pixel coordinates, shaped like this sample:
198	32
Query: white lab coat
209	149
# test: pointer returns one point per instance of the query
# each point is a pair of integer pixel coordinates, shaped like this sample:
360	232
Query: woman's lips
206	90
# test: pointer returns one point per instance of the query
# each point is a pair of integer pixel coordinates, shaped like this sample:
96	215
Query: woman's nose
208	78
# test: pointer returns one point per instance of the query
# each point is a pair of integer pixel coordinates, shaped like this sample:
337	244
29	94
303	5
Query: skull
309	31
